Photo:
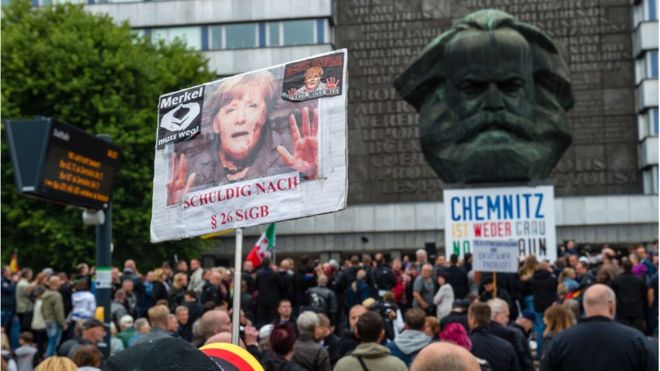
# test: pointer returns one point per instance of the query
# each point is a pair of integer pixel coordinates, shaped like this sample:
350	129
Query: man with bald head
349	340
446	357
214	322
598	342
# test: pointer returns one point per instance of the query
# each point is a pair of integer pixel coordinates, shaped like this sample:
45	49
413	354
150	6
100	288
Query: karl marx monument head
492	94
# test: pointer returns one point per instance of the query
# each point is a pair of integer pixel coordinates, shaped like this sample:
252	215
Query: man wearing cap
126	329
93	333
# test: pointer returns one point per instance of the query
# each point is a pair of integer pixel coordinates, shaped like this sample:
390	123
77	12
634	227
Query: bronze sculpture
493	94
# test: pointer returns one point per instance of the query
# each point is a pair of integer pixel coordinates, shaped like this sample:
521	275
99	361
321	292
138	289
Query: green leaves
92	73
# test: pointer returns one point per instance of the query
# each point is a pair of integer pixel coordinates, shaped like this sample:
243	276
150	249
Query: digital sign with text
79	169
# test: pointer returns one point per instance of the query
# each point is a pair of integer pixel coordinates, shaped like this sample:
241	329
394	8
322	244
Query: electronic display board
73	167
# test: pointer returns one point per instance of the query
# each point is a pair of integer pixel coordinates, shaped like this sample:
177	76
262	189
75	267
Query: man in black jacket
340	284
498	352
523	327
458	314
598	343
543	285
211	290
269	293
458	278
321	299
630	292
303	279
383	277
499	326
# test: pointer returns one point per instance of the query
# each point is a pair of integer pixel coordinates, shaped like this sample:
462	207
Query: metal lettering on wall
384	36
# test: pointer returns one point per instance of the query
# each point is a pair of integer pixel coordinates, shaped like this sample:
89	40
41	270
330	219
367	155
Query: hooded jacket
544	288
408	344
374	356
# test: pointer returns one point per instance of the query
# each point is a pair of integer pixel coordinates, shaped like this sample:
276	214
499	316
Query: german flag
231	357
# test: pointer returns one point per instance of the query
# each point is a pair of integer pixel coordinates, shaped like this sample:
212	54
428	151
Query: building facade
606	184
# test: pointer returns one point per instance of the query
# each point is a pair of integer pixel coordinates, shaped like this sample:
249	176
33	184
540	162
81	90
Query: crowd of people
593	308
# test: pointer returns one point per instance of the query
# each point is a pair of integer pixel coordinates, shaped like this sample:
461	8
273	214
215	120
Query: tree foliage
87	71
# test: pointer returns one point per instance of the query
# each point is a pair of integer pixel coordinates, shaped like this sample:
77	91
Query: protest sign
495	256
255	148
499	217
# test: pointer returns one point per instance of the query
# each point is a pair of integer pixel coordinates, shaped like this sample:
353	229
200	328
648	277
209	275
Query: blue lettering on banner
497	207
478	207
538	213
454	216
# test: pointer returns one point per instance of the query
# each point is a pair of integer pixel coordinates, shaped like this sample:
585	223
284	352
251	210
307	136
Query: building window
652	10
650	180
273	36
299	32
53	2
192	36
654	120
217	37
651	58
256	35
241	36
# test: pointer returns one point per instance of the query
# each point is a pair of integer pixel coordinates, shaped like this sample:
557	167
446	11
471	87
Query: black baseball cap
91	323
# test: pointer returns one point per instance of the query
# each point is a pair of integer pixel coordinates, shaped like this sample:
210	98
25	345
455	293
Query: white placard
495	256
524	216
255	148
103	277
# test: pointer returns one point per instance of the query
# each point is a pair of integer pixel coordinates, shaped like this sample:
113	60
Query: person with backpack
370	355
321	299
412	339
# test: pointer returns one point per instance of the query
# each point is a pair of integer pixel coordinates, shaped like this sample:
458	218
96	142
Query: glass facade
300	32
241	36
273	34
248	35
192	36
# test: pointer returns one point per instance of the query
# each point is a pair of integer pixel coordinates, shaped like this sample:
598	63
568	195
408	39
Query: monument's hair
427	72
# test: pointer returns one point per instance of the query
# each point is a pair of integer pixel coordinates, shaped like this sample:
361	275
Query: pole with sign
59	163
104	271
288	161
236	307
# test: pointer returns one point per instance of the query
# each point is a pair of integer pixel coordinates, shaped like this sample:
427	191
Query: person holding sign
246	145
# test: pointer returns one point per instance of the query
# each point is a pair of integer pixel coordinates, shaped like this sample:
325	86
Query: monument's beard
492	146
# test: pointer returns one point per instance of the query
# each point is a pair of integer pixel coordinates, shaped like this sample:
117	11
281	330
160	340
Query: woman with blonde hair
179	287
160	288
57	364
566	282
529	266
557	318
526	271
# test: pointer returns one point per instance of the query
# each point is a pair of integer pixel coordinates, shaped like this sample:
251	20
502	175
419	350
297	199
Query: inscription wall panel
383	36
